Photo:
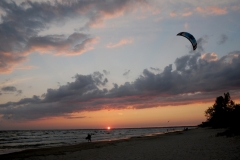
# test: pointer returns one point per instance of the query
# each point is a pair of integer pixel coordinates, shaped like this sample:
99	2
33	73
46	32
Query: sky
97	63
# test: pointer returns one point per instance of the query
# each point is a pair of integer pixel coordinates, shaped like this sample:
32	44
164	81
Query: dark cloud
9	89
126	73
155	69
223	39
106	72
74	117
19	92
21	24
75	44
58	83
194	80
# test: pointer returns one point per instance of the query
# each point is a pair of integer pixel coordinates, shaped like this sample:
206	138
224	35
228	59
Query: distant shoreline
199	143
91	128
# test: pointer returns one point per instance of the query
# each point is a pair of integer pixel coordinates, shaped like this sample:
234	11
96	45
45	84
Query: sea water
18	140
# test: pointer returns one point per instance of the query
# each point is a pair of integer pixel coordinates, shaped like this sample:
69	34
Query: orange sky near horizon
192	114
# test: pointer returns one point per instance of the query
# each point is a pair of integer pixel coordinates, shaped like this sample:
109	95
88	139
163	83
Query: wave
12	141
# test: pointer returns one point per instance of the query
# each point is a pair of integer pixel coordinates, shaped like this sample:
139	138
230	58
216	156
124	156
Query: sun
108	128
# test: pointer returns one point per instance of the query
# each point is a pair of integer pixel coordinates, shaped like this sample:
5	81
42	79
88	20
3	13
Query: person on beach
89	137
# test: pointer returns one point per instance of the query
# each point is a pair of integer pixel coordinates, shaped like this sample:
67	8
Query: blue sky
124	49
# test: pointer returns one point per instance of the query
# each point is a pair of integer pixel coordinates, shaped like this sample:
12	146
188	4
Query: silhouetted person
89	137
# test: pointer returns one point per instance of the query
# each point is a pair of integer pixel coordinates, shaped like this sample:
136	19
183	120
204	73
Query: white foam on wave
13	141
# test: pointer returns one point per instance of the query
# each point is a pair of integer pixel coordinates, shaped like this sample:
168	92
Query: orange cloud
81	48
213	57
209	57
114	11
65	48
186	14
156	11
120	43
8	61
92	13
211	10
173	14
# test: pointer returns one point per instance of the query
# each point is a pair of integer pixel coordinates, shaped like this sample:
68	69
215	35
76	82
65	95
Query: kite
190	38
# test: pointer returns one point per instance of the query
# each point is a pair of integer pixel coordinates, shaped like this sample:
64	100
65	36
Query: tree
224	114
218	114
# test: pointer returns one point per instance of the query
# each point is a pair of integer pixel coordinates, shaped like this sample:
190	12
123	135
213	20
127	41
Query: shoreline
115	134
93	143
199	143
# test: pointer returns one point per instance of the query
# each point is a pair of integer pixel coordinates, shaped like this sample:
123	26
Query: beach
199	143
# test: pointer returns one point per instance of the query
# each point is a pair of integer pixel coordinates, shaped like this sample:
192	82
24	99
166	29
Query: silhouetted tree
224	114
218	115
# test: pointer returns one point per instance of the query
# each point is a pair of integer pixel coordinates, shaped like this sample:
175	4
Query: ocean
18	140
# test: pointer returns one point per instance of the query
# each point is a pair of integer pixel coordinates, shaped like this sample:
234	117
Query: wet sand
200	143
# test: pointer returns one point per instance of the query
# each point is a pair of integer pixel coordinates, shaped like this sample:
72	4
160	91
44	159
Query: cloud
211	10
9	89
75	44
186	14
120	43
155	69
106	72
195	80
74	117
19	92
111	10
209	57
8	61
12	89
207	10
173	14
222	39
126	73
22	23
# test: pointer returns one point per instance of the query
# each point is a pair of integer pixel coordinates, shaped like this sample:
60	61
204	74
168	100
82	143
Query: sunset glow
96	64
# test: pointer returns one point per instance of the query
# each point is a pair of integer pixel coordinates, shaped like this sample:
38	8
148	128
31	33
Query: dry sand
200	143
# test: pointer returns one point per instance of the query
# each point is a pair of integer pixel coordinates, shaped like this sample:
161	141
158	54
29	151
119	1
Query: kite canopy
190	38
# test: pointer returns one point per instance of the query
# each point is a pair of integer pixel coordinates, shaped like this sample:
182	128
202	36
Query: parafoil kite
190	38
